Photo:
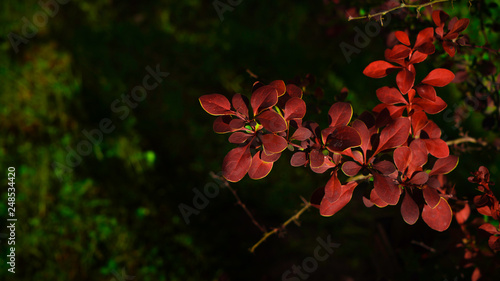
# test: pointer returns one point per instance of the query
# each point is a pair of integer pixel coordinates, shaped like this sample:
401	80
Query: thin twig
238	200
283	226
421	244
403	5
464	139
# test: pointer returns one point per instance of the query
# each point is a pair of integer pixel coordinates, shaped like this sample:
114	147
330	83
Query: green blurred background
116	215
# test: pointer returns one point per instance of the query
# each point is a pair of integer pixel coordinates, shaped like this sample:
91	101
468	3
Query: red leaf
437	148
423	38
298	159
236	163
221	124
395	134
409	209
431	196
439	17
462	215
427	92
420	178
375	199
449	47
272	121
280	87
364	133
239	137
418	153
389	95
418	122
216	104
342	138
328	208
405	80
494	242
402	157
402	37
263	98
259	169
444	165
438	77
378	69
340	114
301	134
333	188
476	274
384	167
460	26
240	103
295	108
273	157
293	91
351	168
430	107
237	123
488	227
398	53
317	158
386	189
432	130
439	217
417	57
273	143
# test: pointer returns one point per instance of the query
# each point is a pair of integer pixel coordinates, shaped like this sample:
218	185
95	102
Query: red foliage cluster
395	144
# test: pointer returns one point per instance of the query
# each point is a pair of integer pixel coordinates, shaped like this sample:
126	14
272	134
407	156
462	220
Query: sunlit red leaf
375	199
379	69
405	80
409	209
418	121
439	217
263	98
340	114
389	95
272	121
439	17
460	26
437	148
329	208
438	77
417	57
351	168
424	37
386	189
327	164
418	152
342	138
364	133
237	123
430	107
488	227
272	157
317	158
449	47
237	163
239	137
259	169
399	52
419	178
280	87
298	159
426	92
432	130
402	157
333	188
301	134
395	134
216	104
384	167
273	143
402	37
444	165
240	103
295	108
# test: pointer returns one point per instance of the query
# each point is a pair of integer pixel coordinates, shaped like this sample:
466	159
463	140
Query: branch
275	230
403	5
464	139
238	200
